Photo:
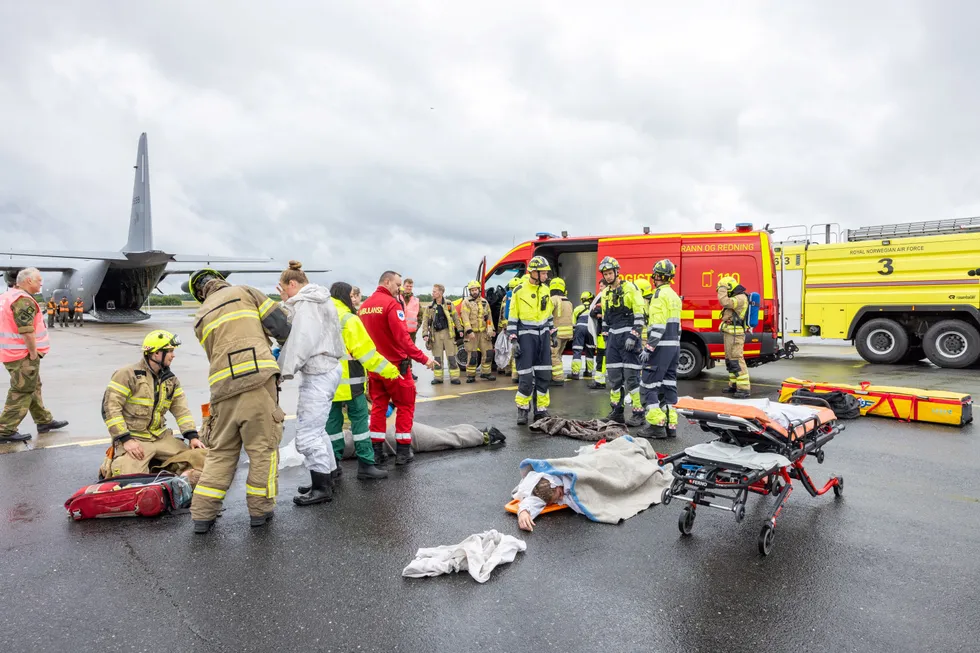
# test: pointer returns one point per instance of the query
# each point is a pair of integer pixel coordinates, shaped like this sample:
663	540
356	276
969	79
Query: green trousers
24	396
358	413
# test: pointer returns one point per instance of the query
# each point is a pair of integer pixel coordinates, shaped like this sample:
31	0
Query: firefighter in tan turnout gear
440	324
233	325
477	333
135	407
564	316
735	309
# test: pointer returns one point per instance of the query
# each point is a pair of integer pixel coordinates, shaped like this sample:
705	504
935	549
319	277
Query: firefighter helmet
645	288
196	282
159	340
664	268
586	297
557	284
513	283
728	283
538	263
473	284
608	263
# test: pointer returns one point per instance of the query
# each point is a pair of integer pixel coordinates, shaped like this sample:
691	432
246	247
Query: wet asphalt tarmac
891	566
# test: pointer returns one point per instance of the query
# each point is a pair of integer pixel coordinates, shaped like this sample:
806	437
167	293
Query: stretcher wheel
839	488
666	496
766	536
686	520
820	456
739	513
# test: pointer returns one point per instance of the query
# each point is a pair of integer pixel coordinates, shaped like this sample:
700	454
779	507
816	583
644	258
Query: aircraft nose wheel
766	536
686	520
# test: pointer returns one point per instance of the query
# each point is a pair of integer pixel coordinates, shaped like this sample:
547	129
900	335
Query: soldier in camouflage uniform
23	342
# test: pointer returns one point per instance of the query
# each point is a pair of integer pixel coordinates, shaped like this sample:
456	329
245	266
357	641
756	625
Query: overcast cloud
421	136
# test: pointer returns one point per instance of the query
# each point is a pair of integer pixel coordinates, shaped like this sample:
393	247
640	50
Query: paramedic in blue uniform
623	319
661	351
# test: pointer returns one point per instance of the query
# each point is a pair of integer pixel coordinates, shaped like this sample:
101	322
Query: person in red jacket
383	317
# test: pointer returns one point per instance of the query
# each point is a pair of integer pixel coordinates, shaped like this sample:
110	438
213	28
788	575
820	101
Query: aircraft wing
16	266
205	258
97	256
230	269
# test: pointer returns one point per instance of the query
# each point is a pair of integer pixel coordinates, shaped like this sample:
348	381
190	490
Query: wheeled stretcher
760	449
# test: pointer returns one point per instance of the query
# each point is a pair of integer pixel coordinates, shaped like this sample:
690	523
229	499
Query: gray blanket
613	482
590	431
428	438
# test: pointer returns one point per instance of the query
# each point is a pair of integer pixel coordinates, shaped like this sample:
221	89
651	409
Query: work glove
631	342
645	356
515	348
275	352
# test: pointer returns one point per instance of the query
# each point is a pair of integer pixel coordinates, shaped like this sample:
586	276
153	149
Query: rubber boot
574	376
436	381
522	414
616	415
671	430
403	453
741	394
379	455
587	374
730	390
455	381
492	436
53	425
488	377
337	472
321	490
540	414
595	385
202	526
652	432
636	418
260	520
557	383
369	472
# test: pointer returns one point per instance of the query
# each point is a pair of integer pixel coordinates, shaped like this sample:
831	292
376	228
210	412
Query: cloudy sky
422	135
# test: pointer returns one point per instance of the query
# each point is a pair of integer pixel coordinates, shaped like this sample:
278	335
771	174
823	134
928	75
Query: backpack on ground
131	495
844	405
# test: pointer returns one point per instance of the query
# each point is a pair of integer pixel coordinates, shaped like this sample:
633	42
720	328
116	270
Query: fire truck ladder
930	228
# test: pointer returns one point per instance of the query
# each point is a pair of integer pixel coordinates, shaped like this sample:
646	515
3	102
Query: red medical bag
130	495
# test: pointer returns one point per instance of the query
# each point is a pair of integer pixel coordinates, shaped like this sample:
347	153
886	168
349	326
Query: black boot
595	385
730	390
260	520
616	415
369	472
471	379
321	490
403	453
587	374
202	526
522	416
493	435
557	383
540	414
672	431
336	473
741	394
455	381
635	418
15	437
652	432
574	376
488	377
379	455
53	425
436	381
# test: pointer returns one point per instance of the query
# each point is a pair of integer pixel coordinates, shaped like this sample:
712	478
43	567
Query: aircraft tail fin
140	219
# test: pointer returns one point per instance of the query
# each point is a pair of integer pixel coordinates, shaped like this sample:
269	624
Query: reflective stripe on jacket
564	316
623	309
531	311
733	313
361	355
664	328
13	347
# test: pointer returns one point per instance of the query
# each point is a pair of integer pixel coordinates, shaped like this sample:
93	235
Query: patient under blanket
607	484
589	431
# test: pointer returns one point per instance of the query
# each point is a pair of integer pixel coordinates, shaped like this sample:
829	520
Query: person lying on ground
135	407
538	490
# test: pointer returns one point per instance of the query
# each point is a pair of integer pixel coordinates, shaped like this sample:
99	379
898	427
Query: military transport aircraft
114	285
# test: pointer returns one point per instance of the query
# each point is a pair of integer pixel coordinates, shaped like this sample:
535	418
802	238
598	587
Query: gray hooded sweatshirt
315	345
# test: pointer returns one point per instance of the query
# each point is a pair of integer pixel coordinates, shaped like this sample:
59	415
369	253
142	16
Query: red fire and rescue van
702	259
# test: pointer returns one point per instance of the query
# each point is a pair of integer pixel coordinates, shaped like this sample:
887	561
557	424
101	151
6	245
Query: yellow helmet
557	284
728	283
159	340
644	285
586	297
196	282
473	284
538	263
513	283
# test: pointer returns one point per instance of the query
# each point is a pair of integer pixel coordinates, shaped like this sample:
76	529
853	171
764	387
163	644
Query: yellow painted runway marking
83	443
422	400
476	392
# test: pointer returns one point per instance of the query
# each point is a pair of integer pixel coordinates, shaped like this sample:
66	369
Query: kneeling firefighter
623	318
661	352
530	328
735	309
234	325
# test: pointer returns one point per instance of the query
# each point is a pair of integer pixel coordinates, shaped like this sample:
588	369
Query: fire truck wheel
952	343
882	341
690	362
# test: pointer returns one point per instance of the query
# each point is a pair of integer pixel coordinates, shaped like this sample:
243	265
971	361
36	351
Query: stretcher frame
726	485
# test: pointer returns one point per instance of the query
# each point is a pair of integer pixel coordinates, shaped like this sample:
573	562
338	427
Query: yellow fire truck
900	292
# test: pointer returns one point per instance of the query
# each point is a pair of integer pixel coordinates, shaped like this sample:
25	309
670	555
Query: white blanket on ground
613	482
478	554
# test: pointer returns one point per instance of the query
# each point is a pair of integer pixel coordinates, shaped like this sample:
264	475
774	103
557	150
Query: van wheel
952	343
882	341
690	362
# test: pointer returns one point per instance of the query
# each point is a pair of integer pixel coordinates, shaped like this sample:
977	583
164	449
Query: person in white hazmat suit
314	347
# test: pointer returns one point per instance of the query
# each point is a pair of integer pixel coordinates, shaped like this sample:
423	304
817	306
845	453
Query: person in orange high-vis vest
52	311
64	312
79	311
23	342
